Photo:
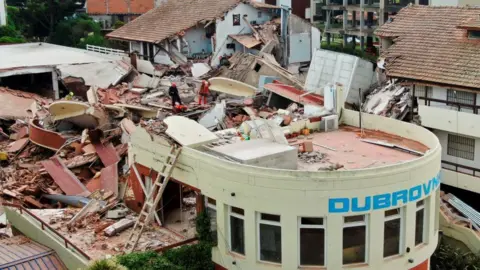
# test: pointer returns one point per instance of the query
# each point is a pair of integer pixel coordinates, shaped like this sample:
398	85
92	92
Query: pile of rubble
389	100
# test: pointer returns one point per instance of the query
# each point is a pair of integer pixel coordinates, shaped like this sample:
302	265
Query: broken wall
333	67
197	41
225	27
300	49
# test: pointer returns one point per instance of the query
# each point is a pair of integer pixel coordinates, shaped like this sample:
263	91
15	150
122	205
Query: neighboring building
454	2
3	12
107	12
269	210
435	50
344	17
196	29
301	8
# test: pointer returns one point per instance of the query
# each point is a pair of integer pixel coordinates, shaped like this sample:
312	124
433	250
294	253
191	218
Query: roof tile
429	46
119	6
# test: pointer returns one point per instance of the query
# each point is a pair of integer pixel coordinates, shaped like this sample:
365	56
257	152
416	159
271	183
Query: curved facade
378	218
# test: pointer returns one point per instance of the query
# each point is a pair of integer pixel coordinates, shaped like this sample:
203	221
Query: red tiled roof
172	17
119	6
429	46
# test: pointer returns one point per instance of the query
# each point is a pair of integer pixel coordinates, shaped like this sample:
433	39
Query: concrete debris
119	227
311	157
389	100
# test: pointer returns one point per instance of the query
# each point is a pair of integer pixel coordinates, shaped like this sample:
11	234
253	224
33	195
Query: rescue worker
173	93
203	93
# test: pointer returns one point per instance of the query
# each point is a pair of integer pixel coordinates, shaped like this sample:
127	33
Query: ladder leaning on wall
153	199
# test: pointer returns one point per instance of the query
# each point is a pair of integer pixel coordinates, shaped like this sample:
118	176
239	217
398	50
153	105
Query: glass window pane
352	219
312	221
270	243
391	243
237	211
419	227
269	217
419	203
237	235
312	246
392	212
212	213
354	244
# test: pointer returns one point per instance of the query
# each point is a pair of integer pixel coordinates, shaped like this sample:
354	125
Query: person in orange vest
203	93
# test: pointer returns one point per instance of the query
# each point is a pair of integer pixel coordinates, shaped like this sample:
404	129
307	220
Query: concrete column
362	43
375	233
345	15
222	224
313	10
251	246
290	241
362	15
334	245
56	91
417	2
410	216
354	19
381	13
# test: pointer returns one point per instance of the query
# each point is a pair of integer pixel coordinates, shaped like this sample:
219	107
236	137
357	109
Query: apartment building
270	210
435	51
355	19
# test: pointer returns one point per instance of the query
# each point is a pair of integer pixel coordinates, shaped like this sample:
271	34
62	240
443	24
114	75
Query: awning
248	41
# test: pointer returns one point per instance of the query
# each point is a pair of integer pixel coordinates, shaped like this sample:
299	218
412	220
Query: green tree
11	33
447	257
78	31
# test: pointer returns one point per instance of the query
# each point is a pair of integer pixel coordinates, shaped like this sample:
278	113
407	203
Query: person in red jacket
203	93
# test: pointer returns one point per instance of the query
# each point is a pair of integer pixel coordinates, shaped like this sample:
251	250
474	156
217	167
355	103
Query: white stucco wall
294	194
225	27
197	40
333	67
3	12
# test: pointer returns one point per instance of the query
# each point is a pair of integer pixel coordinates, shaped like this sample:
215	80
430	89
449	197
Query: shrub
447	257
105	265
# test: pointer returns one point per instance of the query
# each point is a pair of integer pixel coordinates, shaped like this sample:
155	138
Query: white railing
105	50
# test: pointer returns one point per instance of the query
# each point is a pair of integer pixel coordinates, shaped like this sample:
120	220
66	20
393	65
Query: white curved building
380	211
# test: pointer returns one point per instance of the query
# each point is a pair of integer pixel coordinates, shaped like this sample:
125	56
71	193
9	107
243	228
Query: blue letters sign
381	201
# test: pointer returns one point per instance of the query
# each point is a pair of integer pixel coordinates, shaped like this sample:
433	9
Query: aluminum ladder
153	199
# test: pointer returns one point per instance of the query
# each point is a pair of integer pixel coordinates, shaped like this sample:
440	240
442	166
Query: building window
419	222
354	239
460	146
420	91
236	19
392	232
459	98
473	34
312	241
259	15
237	230
212	214
270	238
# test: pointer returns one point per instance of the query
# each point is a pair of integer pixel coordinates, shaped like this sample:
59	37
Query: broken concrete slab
231	87
119	226
101	74
109	178
18	145
45	138
200	69
145	81
80	114
64	178
14	106
188	132
214	117
143	111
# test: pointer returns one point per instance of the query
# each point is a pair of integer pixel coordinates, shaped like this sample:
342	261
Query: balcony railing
447	165
457	105
45	226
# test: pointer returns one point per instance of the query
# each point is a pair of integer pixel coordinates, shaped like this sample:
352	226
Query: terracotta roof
247	40
171	18
429	46
119	6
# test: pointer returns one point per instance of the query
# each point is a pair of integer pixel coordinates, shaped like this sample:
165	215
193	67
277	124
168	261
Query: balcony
396	5
461	176
453	120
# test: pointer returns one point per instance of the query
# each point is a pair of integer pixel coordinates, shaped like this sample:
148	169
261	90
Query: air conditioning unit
329	123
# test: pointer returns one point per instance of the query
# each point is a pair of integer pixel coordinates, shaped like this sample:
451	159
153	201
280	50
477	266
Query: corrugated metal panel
22	253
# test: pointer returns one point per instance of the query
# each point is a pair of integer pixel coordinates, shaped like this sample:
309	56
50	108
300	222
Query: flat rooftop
30	55
345	149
